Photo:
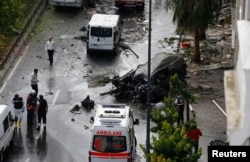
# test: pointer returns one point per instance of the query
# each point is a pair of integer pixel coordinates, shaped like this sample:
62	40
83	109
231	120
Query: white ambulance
113	135
103	33
6	129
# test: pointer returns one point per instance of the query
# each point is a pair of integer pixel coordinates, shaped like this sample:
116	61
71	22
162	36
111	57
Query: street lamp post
148	88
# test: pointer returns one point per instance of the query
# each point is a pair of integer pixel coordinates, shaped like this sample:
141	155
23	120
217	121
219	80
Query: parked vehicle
6	129
113	135
130	3
103	33
67	3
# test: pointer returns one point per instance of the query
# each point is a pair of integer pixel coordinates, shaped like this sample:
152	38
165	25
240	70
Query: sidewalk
209	117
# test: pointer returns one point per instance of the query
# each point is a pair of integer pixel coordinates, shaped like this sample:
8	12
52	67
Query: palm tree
194	16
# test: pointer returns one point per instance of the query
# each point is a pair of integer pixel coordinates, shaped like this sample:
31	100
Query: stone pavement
209	117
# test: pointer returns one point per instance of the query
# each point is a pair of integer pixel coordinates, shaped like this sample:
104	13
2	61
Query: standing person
50	48
18	109
179	102
42	111
31	106
194	134
34	81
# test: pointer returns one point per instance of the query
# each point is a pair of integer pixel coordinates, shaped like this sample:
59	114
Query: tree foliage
170	142
9	14
194	16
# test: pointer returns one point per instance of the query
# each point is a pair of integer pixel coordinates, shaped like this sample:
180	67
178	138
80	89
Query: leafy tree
194	16
9	13
179	87
170	142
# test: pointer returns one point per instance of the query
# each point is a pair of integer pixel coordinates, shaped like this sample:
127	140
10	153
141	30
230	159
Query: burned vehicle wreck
133	85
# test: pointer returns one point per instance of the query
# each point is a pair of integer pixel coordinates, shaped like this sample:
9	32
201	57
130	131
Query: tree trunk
197	57
202	34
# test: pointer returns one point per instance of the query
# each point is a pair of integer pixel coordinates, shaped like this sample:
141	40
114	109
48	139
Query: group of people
37	107
193	131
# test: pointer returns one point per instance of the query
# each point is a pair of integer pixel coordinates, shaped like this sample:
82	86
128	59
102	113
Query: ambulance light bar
114	106
110	122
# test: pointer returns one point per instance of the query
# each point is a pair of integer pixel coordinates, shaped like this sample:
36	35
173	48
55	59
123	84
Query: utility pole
149	87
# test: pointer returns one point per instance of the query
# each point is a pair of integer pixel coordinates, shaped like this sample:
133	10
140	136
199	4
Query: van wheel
1	156
88	52
135	142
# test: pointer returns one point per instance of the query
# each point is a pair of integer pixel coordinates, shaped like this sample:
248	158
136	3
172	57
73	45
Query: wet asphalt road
72	78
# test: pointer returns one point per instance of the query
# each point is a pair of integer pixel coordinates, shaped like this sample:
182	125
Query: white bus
103	33
67	3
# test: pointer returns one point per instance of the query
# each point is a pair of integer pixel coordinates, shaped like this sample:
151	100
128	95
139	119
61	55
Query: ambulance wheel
1	156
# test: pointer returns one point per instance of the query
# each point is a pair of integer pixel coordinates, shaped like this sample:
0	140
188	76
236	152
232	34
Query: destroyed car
133	85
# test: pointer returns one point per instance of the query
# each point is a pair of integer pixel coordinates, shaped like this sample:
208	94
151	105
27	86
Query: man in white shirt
34	81
50	47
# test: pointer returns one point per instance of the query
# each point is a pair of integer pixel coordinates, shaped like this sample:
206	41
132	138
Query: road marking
12	71
55	98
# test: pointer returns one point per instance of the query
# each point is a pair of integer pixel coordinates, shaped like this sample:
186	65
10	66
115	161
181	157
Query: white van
113	135
103	33
6	129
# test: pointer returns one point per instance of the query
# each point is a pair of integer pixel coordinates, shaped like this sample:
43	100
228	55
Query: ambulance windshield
111	144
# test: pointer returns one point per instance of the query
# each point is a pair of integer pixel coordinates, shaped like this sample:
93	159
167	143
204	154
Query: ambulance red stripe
108	155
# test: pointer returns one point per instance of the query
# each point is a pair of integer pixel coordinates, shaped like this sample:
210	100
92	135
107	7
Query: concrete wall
238	119
237	82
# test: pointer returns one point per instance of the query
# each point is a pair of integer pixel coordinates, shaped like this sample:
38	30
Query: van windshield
101	32
111	144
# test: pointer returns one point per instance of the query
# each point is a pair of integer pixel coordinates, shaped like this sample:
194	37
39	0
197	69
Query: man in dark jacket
31	106
42	111
18	109
180	103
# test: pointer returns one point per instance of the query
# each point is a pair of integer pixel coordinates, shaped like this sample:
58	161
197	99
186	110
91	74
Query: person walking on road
42	111
18	109
194	134
34	81
179	102
50	48
31	106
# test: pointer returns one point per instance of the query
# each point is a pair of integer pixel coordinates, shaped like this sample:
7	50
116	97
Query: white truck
113	135
6	129
103	33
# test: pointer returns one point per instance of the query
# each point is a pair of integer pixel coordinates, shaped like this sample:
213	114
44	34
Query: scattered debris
76	109
88	103
125	46
133	85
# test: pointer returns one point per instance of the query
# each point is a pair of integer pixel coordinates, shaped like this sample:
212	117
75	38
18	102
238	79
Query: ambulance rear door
109	145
